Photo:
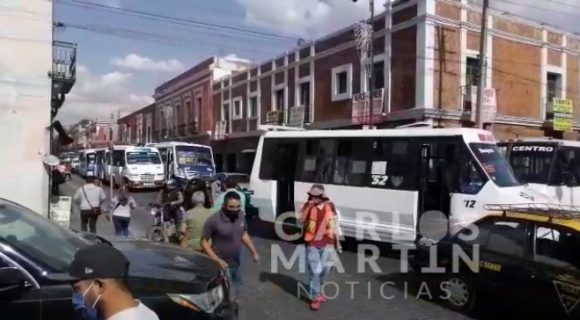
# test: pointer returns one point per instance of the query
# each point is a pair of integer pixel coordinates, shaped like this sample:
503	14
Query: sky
124	55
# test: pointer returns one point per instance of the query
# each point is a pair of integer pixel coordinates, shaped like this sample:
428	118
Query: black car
530	259
175	283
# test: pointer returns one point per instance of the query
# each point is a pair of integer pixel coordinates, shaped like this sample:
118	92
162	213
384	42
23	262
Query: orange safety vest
311	222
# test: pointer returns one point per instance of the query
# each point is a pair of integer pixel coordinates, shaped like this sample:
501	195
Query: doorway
285	172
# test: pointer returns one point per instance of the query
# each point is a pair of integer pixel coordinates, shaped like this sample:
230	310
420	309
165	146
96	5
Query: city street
273	295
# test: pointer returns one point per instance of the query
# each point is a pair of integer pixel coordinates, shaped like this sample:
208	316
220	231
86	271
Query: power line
176	20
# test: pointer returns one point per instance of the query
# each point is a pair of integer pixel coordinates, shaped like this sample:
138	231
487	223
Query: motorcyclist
170	198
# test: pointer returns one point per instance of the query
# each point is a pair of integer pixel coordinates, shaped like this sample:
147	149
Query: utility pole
482	66
371	68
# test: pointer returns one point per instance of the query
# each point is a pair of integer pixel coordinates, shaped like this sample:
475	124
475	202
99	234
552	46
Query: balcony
467	104
63	73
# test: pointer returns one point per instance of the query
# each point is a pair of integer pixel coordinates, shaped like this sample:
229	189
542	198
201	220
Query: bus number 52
379	180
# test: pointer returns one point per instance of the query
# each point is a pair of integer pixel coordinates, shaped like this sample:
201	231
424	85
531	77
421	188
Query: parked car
244	184
35	252
526	256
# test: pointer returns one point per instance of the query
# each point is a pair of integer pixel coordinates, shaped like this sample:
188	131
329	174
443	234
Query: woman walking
122	204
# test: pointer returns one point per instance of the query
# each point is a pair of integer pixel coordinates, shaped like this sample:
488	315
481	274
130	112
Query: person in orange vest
318	217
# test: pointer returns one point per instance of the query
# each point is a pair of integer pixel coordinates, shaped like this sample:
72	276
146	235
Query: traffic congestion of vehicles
185	161
385	180
525	235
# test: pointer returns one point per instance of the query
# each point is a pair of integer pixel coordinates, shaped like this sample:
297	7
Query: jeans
235	278
121	226
89	218
320	261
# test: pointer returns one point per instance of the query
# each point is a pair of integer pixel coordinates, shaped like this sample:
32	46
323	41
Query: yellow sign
563	114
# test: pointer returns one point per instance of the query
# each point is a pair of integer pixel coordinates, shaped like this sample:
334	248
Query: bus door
437	175
284	170
169	164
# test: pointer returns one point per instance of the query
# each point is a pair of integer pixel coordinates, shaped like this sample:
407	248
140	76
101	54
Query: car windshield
38	238
143	158
188	156
532	163
494	164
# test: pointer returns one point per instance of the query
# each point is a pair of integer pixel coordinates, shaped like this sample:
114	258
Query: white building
34	75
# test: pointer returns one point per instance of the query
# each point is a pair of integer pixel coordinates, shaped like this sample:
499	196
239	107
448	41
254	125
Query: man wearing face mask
99	275
222	238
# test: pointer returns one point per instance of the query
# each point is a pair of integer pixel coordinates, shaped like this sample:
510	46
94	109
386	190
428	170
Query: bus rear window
532	163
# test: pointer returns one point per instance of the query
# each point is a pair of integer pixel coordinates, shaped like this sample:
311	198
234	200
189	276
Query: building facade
432	47
35	76
183	108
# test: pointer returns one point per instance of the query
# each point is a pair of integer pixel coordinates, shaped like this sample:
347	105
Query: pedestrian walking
99	276
223	235
195	220
231	186
90	199
318	217
122	205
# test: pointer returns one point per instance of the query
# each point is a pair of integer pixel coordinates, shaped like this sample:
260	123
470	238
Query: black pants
121	226
89	218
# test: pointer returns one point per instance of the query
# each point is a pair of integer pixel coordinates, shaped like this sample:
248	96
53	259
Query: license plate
149	184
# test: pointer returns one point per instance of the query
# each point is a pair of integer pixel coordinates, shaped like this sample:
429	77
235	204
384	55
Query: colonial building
432	47
183	108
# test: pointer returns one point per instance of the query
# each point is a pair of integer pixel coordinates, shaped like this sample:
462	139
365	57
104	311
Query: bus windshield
143	157
193	157
494	164
532	163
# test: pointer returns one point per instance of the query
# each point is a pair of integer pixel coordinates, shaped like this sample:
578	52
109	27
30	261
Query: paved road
273	295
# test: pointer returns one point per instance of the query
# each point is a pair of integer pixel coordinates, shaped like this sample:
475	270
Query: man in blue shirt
231	185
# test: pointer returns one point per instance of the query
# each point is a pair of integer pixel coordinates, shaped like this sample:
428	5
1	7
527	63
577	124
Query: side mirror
12	283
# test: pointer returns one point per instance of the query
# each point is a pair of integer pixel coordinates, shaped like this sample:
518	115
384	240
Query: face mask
232	213
78	301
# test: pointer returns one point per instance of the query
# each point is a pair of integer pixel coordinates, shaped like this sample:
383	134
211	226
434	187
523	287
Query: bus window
163	153
394	164
567	170
119	158
278	159
531	164
351	162
494	164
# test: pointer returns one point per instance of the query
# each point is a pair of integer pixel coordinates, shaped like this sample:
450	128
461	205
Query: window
532	163
38	238
317	161
238	108
471	72
178	118
279	96
497	236
557	247
279	159
253	108
554	85
118	158
188	110
567	168
197	112
351	162
226	112
342	82
143	158
392	159
494	164
305	99
379	75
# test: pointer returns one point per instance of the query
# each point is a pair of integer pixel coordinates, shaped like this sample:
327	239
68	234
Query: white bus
136	167
186	160
392	176
548	165
87	162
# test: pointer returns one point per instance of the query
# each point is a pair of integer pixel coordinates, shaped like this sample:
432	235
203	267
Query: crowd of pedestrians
218	228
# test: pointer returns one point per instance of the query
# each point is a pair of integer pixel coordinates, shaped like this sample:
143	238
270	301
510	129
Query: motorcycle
163	222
